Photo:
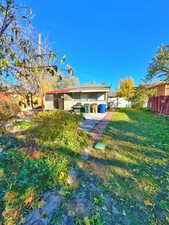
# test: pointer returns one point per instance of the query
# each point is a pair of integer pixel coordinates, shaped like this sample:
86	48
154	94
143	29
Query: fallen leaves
30	198
167	218
148	203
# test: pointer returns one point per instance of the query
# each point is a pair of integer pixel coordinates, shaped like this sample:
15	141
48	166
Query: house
161	89
66	98
4	95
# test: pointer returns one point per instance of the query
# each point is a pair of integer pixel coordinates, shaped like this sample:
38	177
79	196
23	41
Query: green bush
59	127
23	180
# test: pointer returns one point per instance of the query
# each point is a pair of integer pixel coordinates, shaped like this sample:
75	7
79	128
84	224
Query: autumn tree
70	81
33	65
141	94
18	47
14	39
159	67
126	87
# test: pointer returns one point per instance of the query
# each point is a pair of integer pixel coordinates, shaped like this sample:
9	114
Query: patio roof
65	90
81	88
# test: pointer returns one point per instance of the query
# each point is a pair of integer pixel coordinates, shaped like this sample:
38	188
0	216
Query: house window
92	96
49	98
101	97
76	96
84	96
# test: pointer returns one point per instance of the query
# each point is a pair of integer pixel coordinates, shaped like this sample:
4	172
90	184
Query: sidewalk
96	124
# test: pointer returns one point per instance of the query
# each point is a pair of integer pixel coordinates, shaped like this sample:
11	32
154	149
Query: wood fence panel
159	104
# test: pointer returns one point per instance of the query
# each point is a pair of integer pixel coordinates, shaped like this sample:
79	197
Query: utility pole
40	48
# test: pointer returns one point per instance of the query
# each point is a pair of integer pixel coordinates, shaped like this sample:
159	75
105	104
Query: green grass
125	184
128	183
23	178
23	124
136	165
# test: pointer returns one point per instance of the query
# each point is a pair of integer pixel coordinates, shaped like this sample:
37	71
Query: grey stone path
91	120
96	124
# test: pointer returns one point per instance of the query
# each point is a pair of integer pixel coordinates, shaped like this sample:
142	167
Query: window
76	96
49	98
101	96
84	96
92	96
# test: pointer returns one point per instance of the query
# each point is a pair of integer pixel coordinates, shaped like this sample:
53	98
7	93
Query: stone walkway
95	124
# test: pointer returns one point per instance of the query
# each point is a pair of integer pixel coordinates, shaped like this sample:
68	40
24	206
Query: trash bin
102	108
87	108
94	108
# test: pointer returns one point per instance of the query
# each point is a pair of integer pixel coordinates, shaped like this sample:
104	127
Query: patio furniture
77	108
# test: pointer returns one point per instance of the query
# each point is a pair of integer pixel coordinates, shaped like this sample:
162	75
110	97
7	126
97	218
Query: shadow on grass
134	168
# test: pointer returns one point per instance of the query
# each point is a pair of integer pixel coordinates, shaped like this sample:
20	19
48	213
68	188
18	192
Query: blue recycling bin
102	108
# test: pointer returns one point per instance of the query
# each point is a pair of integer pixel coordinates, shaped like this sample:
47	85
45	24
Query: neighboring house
23	102
161	89
85	94
118	102
4	95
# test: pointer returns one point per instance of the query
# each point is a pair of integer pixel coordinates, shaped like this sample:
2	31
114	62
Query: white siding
49	102
119	102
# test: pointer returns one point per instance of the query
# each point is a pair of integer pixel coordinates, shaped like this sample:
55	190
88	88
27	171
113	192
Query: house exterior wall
117	102
85	95
69	103
167	90
160	90
49	102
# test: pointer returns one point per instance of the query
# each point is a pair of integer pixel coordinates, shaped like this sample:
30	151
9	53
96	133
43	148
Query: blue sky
105	41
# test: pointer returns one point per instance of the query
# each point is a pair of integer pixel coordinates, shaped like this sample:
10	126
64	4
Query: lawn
127	184
134	168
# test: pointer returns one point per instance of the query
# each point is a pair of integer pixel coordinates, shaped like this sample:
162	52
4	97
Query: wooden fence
159	104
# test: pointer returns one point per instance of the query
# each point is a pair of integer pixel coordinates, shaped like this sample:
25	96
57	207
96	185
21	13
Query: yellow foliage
167	218
126	88
28	200
148	203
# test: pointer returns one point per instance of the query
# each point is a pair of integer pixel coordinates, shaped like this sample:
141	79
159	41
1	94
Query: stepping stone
100	146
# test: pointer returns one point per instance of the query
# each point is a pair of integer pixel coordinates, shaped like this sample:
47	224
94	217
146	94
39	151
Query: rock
37	222
71	212
84	157
81	209
88	150
52	203
115	210
42	216
72	177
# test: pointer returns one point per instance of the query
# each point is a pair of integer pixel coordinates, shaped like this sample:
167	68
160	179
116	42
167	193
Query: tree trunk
31	100
42	102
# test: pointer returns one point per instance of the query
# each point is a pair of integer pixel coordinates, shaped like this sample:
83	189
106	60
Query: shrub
141	95
24	180
8	109
60	127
